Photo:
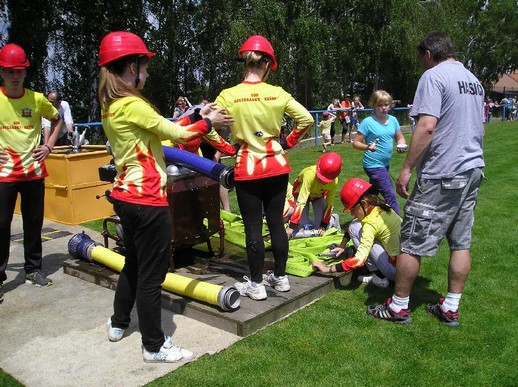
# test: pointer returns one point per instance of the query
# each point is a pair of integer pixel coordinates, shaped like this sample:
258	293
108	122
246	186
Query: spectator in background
325	125
345	118
356	106
65	135
182	104
22	162
512	108
506	108
446	149
376	137
334	106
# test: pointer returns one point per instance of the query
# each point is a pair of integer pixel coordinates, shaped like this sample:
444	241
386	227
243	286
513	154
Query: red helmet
260	44
119	44
13	57
352	191
329	167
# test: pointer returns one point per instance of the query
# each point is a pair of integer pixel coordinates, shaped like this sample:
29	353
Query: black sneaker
1	292
37	278
384	312
449	318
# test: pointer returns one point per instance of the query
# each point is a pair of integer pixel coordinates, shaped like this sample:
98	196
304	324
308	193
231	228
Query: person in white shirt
66	115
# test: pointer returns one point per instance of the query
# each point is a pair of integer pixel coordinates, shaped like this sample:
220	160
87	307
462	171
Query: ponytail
376	201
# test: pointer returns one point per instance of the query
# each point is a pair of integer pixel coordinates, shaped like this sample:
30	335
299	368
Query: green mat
302	252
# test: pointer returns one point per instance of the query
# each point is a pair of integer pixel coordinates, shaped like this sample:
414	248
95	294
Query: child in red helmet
375	232
262	168
135	128
22	161
317	185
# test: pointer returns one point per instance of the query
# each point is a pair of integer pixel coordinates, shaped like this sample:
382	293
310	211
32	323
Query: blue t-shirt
372	130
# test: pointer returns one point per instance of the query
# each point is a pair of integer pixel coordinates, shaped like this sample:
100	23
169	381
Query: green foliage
325	48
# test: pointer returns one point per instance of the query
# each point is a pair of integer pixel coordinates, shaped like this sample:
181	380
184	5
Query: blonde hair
111	85
380	97
254	59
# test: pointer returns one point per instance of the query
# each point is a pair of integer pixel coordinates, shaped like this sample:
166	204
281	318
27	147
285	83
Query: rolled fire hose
81	246
216	171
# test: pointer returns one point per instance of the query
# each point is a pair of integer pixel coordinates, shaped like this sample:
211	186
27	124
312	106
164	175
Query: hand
219	119
40	153
402	183
4	156
320	266
320	231
289	232
338	251
372	146
401	148
70	136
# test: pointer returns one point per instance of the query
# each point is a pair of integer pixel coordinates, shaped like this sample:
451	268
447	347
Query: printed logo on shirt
26	112
472	88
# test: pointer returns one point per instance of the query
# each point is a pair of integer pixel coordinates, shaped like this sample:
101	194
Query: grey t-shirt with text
452	94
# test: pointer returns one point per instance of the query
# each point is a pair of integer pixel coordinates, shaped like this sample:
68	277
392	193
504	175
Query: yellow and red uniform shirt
258	109
308	187
20	134
212	137
135	131
380	225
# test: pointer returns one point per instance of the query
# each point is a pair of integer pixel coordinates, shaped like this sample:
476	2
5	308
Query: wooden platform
251	315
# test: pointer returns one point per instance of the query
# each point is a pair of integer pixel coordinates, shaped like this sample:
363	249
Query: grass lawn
333	342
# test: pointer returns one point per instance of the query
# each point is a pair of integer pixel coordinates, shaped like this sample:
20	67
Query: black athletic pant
147	241
253	196
32	194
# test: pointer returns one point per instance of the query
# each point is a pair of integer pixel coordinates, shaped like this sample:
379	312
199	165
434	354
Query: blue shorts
439	208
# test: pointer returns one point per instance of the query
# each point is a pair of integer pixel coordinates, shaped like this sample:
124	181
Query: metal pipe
216	171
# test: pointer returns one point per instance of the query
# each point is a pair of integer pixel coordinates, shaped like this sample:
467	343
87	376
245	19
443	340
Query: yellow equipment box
73	184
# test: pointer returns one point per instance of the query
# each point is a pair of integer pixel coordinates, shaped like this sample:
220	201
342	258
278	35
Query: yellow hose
227	297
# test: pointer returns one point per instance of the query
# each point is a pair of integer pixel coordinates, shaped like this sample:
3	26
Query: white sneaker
251	289
375	280
168	353
114	334
278	283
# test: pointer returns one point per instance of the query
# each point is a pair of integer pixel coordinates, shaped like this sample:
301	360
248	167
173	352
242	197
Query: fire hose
219	172
81	246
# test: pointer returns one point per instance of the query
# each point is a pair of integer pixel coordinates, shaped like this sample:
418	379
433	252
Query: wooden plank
251	316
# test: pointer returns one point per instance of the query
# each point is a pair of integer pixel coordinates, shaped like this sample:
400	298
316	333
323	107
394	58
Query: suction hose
216	171
81	246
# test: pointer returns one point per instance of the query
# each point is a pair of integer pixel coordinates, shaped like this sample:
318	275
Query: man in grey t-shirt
446	151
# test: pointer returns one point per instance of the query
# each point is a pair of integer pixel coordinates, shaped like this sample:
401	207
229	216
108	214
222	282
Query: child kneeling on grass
375	232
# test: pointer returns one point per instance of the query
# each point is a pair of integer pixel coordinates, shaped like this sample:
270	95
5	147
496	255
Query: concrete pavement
56	336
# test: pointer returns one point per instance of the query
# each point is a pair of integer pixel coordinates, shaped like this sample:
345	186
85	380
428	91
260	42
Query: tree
325	48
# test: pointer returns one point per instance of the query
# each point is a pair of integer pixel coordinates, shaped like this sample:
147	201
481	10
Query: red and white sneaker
383	312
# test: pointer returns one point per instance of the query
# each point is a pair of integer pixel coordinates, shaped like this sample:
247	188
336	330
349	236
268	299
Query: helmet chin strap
137	78
267	72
